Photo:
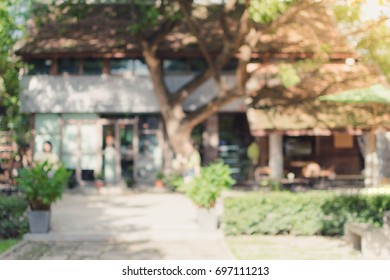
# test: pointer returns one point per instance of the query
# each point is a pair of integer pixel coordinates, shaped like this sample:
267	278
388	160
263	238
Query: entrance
119	149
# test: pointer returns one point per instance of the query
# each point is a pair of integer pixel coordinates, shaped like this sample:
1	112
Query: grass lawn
285	247
7	243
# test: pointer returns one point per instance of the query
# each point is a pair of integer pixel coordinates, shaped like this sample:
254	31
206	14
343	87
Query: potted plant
99	180
129	181
159	183
205	189
42	185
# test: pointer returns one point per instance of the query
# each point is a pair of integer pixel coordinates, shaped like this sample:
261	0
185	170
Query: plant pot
159	184
39	221
207	219
99	184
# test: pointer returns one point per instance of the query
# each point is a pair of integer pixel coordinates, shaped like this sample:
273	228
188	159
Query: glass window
140	67
230	65
148	122
234	137
69	139
175	65
299	146
121	65
197	64
69	66
92	66
39	66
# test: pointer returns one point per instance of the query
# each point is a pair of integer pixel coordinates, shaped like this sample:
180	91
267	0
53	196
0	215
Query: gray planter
207	219
39	221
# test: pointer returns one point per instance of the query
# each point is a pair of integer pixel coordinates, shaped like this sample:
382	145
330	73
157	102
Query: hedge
13	221
311	213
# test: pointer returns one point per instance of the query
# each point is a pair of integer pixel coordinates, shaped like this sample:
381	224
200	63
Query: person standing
47	154
192	163
110	160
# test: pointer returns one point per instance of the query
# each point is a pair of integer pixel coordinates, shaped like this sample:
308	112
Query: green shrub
353	208
204	189
274	213
174	182
301	213
43	184
13	221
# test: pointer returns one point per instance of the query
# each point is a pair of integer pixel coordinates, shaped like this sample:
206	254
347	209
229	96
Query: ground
156	226
284	247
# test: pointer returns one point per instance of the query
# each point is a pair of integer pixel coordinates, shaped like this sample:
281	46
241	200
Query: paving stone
124	226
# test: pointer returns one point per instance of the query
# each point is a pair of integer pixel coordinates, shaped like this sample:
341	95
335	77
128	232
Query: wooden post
276	155
106	66
135	148
60	127
211	139
33	133
370	160
79	154
54	66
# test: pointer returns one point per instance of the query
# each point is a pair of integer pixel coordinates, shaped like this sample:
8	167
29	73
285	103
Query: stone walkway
123	226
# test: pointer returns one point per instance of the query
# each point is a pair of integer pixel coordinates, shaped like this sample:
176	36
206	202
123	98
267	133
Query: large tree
152	23
237	22
11	15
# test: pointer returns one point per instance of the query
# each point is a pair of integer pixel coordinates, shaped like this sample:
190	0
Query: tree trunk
178	136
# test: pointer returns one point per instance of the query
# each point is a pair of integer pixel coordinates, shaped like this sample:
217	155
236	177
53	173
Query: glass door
128	150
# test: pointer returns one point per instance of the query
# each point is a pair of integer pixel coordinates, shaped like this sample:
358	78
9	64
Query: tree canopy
239	22
11	30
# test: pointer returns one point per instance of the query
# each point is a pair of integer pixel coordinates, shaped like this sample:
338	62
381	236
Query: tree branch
185	90
369	26
194	27
202	113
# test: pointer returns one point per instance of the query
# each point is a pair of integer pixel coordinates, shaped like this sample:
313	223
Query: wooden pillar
54	66
106	66
61	128
371	162
79	154
33	134
135	148
276	155
211	139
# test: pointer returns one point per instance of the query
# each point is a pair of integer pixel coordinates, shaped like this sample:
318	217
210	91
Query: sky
372	10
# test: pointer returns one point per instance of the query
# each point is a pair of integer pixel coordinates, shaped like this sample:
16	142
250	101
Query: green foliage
356	208
13	221
43	184
129	182
265	11
6	244
288	75
253	152
160	176
272	184
371	36
11	11
274	213
174	182
301	213
148	15
207	187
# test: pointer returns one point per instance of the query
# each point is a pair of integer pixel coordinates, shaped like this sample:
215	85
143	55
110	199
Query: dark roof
105	30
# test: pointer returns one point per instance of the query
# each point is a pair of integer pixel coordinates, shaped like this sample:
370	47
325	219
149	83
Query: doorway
119	150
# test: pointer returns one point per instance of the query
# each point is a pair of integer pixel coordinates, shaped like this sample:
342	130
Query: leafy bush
13	221
353	208
207	187
42	185
274	213
301	213
174	182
